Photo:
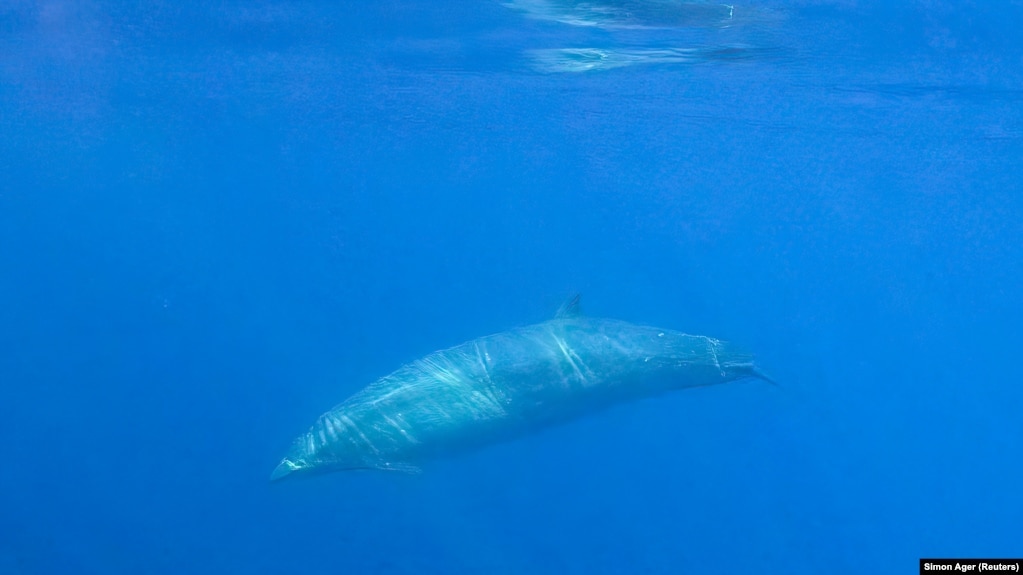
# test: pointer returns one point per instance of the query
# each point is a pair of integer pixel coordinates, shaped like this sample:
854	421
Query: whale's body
508	384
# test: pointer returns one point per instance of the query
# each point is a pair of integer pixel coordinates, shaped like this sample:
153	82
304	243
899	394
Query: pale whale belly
504	385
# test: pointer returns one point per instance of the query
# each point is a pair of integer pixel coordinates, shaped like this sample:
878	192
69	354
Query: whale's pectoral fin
570	308
401	467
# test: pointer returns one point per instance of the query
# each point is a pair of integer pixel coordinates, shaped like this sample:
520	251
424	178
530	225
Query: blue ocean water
219	219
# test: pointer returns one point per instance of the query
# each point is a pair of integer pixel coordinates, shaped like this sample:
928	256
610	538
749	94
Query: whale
625	14
507	385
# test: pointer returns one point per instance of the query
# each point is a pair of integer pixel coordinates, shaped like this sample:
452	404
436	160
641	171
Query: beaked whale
508	384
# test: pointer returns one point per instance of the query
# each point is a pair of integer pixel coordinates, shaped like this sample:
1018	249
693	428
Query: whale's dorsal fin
569	309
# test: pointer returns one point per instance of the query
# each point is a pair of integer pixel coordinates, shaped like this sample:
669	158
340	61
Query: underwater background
219	219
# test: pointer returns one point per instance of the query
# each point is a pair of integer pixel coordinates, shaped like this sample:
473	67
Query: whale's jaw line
288	469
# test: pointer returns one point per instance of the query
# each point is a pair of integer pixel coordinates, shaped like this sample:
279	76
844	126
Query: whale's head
292	467
315	452
327	448
287	468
